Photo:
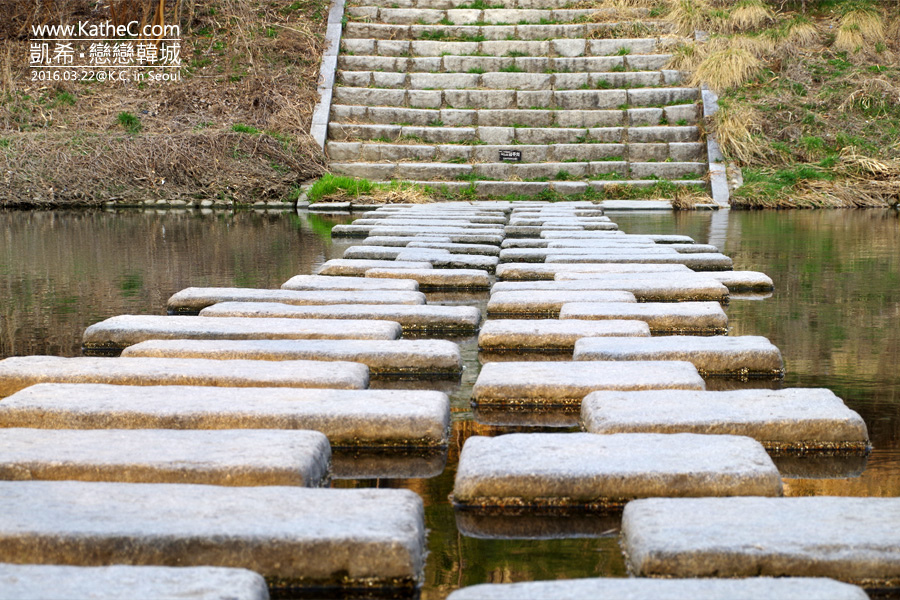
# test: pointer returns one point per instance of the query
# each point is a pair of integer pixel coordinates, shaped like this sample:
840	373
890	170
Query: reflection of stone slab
321	282
437	279
358	268
192	300
223	457
670	589
694	318
851	539
356	418
526	525
552	334
388	463
18	372
125	330
569	382
537	271
839	464
423	318
293	536
697	262
720	355
646	287
547	303
393	358
555	416
799	418
30	582
604	471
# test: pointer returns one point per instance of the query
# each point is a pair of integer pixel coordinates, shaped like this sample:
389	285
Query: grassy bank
235	127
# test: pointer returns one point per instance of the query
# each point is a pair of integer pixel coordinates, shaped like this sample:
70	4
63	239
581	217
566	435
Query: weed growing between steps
809	102
337	188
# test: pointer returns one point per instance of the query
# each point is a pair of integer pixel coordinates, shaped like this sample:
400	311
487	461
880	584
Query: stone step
645	287
424	319
744	281
566	383
358	268
30	582
685	318
507	80
389	253
513	99
432	359
678	114
19	372
599	243
318	283
432	221
534	136
120	332
380	217
564	47
460	234
192	300
384	240
716	356
223	457
545	271
494	189
448	4
465	64
782	588
659	239
437	279
477	249
843	538
697	262
538	255
602	472
446	260
491	16
295	537
349	418
547	303
803	419
550	335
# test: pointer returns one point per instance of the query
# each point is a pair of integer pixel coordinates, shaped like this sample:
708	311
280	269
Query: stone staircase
513	98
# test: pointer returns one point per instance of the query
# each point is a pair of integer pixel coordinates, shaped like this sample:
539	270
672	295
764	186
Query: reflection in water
834	315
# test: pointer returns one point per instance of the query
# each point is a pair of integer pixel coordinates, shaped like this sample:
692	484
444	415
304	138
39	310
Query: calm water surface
835	315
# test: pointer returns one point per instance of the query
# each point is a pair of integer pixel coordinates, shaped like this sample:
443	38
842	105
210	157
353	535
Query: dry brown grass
688	199
726	69
734	127
686	57
801	32
688	16
873	95
858	28
750	14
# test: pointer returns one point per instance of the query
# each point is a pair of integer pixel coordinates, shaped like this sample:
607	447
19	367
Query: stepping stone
716	356
310	283
456	234
547	303
657	238
19	372
844	538
744	281
349	418
538	271
358	268
223	457
798	418
303	537
645	287
120	332
424	318
437	279
391	253
551	335
690	318
485	249
697	262
794	588
191	301
30	582
561	383
385	359
539	255
403	241
446	260
598	472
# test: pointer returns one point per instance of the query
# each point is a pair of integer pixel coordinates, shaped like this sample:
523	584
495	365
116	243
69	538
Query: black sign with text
511	155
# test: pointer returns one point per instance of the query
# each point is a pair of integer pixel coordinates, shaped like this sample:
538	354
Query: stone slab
720	355
844	538
697	318
385	358
549	302
604	471
744	281
659	287
358	268
192	300
292	536
549	335
392	253
18	372
223	457
312	283
349	418
422	318
515	255
795	588
437	279
30	582
697	262
561	383
797	418
538	271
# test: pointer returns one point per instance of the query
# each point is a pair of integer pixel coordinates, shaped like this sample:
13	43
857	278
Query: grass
726	69
338	188
131	123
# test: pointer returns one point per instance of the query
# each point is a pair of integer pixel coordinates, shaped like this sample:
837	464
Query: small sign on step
511	155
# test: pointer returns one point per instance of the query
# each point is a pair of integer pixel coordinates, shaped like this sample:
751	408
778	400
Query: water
834	315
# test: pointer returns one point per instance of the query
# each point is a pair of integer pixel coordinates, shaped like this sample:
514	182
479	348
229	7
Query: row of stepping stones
209	441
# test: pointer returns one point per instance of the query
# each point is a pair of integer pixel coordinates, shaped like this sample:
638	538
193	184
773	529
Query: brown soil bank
235	128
